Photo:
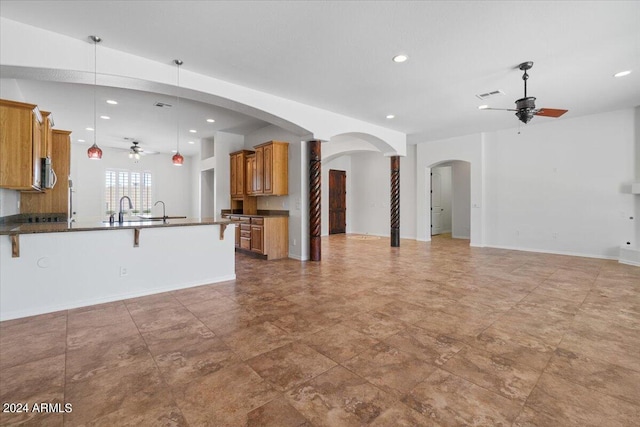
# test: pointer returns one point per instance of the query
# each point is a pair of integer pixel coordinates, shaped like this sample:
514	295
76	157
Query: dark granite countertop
260	214
56	227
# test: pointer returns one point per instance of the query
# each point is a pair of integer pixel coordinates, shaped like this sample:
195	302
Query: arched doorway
449	199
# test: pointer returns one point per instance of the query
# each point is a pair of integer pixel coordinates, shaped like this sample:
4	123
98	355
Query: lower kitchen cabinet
257	235
266	236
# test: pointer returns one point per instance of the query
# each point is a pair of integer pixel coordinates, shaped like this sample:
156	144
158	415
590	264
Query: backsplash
9	202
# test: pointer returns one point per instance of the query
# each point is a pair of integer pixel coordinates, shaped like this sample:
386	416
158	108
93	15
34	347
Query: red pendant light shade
178	160
94	152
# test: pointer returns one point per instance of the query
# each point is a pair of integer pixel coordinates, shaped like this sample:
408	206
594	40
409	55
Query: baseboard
629	256
453	236
547	251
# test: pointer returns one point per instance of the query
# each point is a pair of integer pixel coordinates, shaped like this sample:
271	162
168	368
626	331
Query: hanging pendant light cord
95	83
178	63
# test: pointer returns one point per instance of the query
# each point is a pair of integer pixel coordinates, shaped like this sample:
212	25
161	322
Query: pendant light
94	152
177	158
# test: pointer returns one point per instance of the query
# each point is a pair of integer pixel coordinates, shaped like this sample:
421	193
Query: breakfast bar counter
46	267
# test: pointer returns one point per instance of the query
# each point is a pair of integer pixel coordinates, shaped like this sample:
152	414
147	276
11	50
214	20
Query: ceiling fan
135	151
526	106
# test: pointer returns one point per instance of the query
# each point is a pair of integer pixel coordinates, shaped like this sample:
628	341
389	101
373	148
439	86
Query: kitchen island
46	267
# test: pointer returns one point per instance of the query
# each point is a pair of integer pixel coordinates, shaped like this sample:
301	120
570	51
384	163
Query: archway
354	153
449	199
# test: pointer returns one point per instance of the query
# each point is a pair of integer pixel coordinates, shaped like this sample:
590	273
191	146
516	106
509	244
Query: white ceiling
337	55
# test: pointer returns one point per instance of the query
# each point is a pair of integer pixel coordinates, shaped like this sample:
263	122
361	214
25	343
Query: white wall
296	198
9	202
370	184
558	186
408	194
636	221
461	200
445	196
369	193
224	143
171	184
342	163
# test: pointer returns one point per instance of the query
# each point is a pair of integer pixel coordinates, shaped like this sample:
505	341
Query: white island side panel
58	271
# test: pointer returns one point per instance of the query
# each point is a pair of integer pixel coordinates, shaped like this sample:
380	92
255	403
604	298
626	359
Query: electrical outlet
295	242
124	271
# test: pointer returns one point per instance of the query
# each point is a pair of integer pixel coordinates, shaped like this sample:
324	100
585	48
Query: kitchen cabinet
56	199
250	173
257	235
245	236
272	169
239	185
266	236
240	220
20	146
258	172
46	147
263	172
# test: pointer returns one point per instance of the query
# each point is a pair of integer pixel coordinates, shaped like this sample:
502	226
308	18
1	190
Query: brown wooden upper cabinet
263	172
46	148
239	186
20	146
272	169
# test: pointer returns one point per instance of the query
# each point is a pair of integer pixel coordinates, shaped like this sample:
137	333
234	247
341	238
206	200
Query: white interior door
436	203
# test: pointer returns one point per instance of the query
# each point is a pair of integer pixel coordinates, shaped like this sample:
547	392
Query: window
137	185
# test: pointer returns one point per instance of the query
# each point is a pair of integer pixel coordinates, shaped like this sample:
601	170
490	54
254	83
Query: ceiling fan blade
550	112
498	109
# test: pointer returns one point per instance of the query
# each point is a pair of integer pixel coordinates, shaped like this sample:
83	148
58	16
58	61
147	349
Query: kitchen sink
144	219
138	220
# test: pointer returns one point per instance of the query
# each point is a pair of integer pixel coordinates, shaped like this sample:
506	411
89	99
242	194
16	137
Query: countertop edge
14	229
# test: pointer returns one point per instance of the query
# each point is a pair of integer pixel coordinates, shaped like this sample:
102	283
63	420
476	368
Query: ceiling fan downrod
524	67
525	106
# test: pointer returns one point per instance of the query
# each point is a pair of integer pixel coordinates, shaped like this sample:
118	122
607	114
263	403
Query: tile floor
428	334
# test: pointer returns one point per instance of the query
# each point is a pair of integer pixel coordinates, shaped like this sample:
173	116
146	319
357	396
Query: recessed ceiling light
81	140
390	116
483	107
193	131
400	58
191	142
210	120
90	129
622	73
174	151
112	102
105	117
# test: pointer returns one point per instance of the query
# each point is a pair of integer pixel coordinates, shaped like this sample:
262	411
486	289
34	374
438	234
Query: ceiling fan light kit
135	151
526	106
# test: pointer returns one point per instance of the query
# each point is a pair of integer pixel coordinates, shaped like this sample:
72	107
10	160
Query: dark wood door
337	202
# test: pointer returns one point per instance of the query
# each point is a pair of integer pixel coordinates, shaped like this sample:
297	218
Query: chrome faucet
164	212
121	214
